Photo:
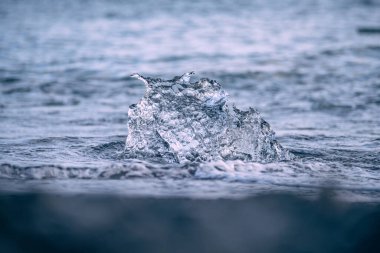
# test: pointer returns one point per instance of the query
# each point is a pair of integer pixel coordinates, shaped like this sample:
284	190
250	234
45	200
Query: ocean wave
295	173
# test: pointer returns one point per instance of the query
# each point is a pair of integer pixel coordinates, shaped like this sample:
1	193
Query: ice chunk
180	121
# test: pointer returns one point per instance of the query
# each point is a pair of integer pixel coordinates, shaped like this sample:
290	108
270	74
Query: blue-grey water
311	68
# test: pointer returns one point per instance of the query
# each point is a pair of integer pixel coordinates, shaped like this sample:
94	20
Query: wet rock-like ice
179	121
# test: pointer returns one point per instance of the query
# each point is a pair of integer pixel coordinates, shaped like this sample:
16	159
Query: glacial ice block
179	121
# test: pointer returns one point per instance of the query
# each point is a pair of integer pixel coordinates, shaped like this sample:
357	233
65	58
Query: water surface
307	66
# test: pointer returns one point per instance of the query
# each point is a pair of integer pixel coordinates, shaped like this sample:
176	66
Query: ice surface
180	121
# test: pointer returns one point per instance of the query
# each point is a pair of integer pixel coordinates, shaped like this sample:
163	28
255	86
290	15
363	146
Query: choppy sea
311	68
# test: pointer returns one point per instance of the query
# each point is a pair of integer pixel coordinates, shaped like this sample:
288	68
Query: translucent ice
180	121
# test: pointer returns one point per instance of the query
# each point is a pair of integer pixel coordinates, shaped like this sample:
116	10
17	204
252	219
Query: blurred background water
312	68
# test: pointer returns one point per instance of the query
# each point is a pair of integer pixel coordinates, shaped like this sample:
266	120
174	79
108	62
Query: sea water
309	68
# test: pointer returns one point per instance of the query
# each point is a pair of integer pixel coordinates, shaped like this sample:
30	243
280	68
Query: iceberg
180	121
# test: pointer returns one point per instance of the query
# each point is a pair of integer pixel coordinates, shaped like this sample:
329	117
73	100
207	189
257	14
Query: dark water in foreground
310	67
269	223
